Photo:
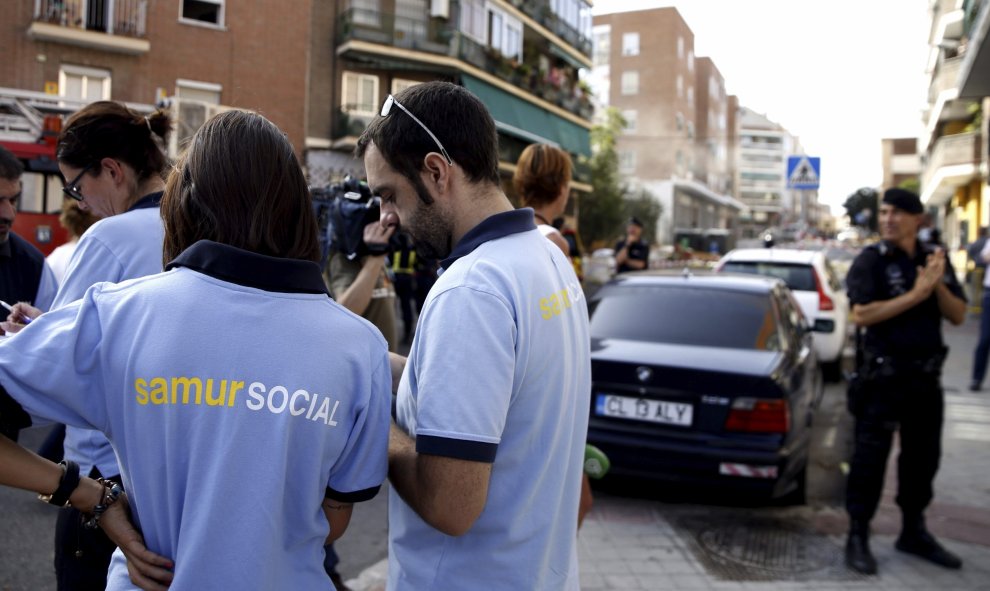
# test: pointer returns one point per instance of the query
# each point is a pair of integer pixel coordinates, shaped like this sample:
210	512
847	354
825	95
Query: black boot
915	539
858	555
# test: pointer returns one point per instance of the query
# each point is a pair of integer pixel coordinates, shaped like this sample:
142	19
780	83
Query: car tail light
824	302
759	415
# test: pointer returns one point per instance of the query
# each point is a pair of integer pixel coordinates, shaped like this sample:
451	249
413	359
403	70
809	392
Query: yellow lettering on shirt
141	387
185	383
556	303
159	391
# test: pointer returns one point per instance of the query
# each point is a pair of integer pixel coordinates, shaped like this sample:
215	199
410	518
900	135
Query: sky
839	74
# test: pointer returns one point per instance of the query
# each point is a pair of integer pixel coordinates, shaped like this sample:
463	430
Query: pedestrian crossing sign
803	172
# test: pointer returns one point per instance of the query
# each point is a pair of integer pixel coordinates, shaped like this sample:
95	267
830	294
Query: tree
601	213
861	207
643	205
911	184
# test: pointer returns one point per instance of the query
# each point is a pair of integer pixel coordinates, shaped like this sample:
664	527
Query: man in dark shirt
900	290
24	277
631	253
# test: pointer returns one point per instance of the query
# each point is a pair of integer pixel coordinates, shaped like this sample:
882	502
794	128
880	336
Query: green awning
523	119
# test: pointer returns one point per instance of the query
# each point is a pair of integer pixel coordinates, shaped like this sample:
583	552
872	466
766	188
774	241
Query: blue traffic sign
803	172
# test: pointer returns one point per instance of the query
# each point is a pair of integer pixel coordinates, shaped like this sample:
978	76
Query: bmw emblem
644	373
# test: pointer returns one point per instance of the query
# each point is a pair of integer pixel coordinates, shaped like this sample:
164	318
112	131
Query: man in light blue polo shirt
485	455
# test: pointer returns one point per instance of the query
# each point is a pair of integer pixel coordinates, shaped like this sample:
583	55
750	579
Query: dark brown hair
239	184
11	168
75	220
540	174
459	120
106	129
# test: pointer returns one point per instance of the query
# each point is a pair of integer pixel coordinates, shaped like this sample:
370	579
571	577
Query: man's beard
5	234
429	226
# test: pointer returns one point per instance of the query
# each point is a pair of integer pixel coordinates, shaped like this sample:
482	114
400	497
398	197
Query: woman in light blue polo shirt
113	163
247	409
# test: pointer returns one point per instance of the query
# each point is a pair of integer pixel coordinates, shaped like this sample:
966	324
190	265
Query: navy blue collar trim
250	269
148	201
491	228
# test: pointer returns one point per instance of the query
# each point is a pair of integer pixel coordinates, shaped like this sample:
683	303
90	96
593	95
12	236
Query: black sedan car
705	380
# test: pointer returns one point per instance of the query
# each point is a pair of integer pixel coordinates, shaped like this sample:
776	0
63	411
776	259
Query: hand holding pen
21	314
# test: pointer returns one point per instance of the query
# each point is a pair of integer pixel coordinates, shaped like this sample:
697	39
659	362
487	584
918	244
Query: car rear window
685	316
797	277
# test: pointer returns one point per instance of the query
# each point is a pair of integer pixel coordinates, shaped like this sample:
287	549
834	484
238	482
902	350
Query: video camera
342	211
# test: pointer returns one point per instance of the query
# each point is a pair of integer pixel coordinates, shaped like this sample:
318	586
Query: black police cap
904	200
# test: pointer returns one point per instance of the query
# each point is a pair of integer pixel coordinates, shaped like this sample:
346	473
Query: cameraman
362	285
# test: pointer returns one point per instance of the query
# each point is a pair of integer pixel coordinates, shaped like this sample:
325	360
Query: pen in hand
10	308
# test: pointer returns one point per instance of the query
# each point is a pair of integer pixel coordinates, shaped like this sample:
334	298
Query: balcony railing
397	31
557	86
113	17
945	78
952	150
541	12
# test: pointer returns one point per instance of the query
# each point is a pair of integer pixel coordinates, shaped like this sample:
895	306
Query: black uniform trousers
910	402
82	555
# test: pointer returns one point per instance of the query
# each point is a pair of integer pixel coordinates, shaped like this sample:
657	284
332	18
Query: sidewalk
629	545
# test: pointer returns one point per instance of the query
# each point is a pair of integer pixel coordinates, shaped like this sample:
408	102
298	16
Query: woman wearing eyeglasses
113	161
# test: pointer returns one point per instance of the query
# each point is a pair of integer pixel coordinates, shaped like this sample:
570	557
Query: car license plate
644	409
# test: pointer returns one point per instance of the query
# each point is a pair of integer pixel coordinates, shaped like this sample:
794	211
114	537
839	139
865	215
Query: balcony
558	86
108	25
954	161
540	11
358	24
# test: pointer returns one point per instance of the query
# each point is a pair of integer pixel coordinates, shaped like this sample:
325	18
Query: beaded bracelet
111	492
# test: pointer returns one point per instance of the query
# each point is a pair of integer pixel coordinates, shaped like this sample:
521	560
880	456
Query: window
627	162
360	94
680	86
204	11
690	61
204	92
690	96
630	115
86	84
630	82
690	129
602	44
680	47
473	20
705	317
680	121
398	84
630	44
366	12
504	32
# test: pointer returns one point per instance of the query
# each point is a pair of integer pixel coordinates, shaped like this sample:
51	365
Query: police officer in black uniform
900	289
631	253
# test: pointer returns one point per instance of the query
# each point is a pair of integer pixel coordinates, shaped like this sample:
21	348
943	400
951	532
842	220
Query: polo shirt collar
148	201
250	269
491	228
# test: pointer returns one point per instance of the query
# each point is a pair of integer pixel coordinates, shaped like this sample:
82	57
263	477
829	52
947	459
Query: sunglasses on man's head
71	189
387	107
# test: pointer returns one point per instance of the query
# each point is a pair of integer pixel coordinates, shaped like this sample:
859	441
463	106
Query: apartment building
521	57
675	144
761	169
954	179
200	55
900	160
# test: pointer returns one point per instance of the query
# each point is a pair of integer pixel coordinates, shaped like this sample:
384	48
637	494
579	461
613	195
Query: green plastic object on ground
596	463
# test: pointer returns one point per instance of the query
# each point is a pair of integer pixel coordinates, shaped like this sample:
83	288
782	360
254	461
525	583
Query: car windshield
797	277
685	316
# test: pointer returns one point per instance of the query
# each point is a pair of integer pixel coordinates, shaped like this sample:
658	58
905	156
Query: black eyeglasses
387	107
71	189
